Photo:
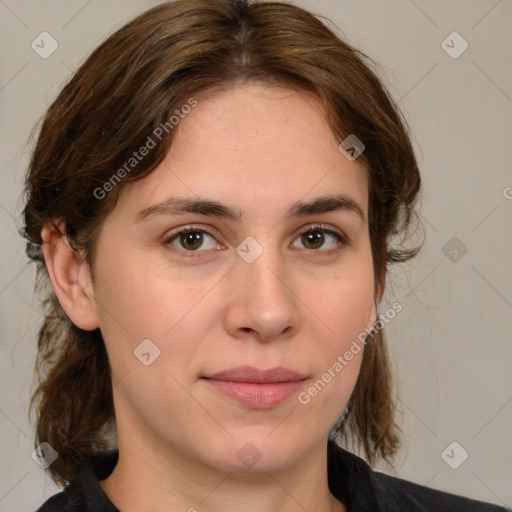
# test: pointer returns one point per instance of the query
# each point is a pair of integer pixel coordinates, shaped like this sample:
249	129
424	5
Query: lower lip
256	395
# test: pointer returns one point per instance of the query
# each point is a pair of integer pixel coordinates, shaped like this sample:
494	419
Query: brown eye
317	236
190	239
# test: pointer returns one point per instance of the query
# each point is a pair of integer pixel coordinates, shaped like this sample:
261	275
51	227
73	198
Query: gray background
451	344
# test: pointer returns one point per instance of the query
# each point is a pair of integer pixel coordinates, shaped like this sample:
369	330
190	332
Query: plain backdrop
451	345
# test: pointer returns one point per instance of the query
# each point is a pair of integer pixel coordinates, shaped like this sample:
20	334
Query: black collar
349	479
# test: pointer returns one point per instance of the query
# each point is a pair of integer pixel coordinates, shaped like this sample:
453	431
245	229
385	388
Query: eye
315	236
191	238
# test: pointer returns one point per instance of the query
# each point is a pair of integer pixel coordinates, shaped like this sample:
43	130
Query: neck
148	477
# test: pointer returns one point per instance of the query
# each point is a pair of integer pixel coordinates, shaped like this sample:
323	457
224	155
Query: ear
70	277
379	292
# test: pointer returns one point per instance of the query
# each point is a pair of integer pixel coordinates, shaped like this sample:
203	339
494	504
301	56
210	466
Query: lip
256	375
256	388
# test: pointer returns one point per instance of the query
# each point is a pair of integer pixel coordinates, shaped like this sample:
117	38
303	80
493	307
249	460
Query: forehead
255	148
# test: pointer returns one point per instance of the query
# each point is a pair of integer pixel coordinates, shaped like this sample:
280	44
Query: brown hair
127	88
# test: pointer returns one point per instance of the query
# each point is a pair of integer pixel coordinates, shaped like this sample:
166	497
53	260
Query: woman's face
252	291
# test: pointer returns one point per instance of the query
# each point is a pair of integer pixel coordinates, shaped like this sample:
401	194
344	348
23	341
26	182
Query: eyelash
315	227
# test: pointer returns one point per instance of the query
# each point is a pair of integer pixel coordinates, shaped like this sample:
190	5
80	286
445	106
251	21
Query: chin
257	451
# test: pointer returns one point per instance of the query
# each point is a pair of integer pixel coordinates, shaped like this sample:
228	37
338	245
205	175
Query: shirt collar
349	479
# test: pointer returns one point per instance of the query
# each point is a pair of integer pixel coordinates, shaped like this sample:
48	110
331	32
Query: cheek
346	304
345	310
150	375
135	305
135	297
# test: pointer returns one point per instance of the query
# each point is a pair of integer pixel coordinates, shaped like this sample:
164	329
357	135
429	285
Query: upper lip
252	374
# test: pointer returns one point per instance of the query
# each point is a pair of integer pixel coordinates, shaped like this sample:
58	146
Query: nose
265	302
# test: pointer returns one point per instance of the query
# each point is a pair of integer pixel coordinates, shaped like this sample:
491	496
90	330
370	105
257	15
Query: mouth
257	375
256	388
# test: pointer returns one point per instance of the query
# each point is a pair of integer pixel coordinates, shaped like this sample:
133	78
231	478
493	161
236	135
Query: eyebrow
181	206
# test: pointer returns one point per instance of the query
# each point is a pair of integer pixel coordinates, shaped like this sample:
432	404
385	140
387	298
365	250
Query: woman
213	196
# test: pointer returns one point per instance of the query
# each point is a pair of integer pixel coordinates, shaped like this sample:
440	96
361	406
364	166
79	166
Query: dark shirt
350	479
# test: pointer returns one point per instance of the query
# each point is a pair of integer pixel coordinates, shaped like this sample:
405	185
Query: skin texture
259	149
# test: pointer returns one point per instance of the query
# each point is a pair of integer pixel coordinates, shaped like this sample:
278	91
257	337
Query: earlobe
70	277
373	317
377	301
374	313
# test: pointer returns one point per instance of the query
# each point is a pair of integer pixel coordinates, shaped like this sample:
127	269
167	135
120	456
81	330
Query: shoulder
58	501
399	494
353	480
84	492
71	499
